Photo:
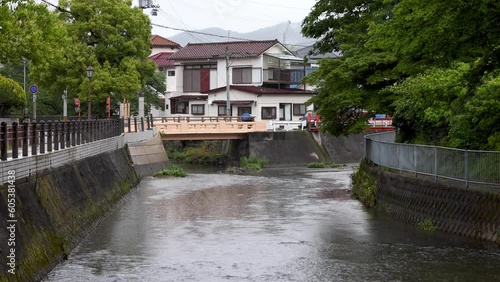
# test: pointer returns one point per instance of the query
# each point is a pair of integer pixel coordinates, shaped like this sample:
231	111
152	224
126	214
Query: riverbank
55	209
430	205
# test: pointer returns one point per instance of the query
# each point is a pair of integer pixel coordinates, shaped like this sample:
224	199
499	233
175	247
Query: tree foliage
433	64
11	96
110	35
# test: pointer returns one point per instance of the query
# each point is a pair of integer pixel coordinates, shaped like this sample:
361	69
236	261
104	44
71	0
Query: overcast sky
233	15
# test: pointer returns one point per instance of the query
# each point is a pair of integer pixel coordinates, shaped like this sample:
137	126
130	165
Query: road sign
33	89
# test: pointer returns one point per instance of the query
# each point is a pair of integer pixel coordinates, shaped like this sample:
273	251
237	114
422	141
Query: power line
202	33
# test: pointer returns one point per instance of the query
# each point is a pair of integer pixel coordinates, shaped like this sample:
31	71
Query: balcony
283	76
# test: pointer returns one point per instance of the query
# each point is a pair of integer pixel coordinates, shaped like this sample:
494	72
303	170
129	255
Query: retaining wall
57	207
29	166
471	213
148	156
287	147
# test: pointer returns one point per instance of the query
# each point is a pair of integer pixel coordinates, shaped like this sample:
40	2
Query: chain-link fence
480	167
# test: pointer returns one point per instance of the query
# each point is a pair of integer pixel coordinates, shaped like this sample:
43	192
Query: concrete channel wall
300	147
473	213
55	208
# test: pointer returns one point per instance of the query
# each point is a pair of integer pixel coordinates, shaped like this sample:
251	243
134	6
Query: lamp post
90	73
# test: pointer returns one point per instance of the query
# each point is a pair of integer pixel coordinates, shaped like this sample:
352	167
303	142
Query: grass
173	170
427	225
323	165
207	153
316	165
253	162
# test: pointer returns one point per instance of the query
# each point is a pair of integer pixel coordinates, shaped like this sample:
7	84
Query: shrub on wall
364	185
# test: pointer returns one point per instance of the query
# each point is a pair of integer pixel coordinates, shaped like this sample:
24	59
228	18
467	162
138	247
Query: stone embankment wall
148	156
287	147
471	213
56	208
299	147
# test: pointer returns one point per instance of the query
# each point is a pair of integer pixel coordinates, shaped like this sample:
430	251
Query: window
299	109
242	110
242	75
182	108
221	110
196	78
268	112
170	73
198	109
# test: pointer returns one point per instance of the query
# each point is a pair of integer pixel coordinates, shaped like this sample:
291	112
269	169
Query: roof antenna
228	32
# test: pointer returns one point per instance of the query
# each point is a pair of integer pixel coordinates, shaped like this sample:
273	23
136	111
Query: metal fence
479	167
38	138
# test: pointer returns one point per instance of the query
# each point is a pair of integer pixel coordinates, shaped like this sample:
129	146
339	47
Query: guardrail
469	166
287	125
43	137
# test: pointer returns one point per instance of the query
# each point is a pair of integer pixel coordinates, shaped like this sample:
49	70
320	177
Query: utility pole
228	102
65	105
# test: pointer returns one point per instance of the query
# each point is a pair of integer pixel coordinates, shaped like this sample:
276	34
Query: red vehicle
311	121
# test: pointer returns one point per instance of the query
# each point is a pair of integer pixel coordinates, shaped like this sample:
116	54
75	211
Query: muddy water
284	224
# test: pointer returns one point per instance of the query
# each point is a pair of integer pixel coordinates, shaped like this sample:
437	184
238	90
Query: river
283	224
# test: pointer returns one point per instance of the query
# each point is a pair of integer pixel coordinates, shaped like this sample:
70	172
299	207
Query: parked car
310	120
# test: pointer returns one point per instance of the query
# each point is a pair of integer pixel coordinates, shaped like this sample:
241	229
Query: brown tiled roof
217	50
157	40
162	59
260	90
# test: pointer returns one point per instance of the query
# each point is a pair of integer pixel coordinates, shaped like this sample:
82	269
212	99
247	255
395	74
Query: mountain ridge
287	33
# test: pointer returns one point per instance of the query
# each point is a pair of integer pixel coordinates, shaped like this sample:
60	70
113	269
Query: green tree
155	85
112	37
11	96
350	88
434	64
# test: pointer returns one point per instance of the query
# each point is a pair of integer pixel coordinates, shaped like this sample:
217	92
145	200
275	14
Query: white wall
266	100
157	50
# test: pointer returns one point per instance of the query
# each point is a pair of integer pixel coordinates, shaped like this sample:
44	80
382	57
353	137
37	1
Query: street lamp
90	73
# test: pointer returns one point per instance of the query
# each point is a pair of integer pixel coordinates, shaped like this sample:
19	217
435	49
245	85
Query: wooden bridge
206	127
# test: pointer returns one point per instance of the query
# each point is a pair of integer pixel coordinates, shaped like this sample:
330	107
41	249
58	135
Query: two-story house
264	77
161	50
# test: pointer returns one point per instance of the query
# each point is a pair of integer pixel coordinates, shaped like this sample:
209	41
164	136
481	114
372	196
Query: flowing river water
285	224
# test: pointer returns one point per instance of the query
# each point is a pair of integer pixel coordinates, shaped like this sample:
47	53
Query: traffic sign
33	89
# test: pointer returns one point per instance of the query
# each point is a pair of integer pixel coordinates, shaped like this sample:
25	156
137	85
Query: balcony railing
284	76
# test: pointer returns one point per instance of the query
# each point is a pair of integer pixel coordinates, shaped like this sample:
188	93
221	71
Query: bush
337	165
208	153
173	170
316	165
427	225
364	185
253	162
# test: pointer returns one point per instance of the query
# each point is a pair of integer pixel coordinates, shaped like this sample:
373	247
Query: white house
265	80
161	51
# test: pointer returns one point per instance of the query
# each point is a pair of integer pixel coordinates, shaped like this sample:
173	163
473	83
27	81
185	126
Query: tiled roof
238	49
162	59
157	40
260	90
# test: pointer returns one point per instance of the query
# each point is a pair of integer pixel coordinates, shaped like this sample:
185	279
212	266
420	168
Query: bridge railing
38	138
203	119
468	166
